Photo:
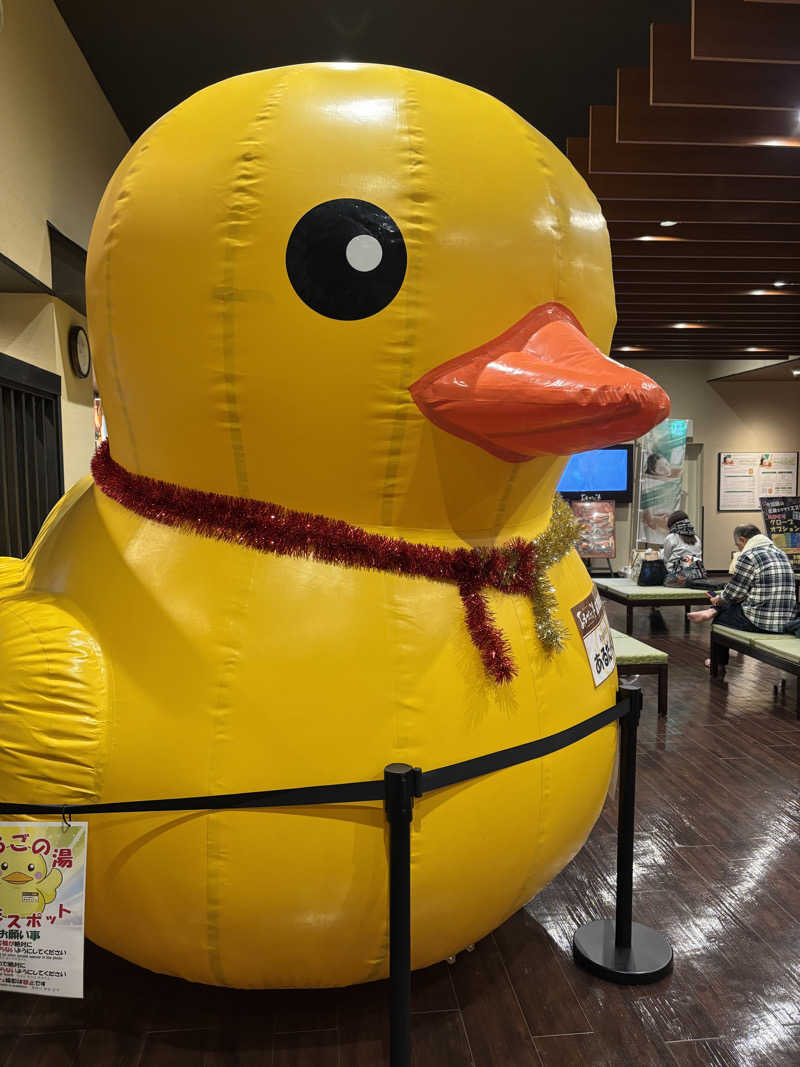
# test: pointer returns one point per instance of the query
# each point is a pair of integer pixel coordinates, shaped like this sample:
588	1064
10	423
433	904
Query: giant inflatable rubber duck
347	321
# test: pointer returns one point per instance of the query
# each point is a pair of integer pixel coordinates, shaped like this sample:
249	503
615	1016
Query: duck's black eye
346	259
3	866
31	867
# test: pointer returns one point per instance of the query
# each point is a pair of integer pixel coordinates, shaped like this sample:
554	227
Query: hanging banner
663	452
42	884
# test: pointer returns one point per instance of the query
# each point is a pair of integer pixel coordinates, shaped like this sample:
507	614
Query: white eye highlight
364	252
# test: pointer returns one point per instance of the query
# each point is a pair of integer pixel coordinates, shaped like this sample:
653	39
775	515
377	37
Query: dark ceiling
546	60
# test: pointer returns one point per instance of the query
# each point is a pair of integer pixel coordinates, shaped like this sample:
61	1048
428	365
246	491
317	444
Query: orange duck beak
540	389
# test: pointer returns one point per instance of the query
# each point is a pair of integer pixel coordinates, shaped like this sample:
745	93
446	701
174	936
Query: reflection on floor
718	870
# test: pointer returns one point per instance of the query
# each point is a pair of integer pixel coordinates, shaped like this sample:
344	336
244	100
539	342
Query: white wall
59	139
728	416
59	144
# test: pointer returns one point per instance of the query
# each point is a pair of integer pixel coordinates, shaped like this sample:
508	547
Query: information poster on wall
747	477
782	521
597	538
42	886
663	452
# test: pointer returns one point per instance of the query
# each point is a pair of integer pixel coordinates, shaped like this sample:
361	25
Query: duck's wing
12	575
49	885
53	702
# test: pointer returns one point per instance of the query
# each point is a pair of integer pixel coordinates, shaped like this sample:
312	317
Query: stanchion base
648	959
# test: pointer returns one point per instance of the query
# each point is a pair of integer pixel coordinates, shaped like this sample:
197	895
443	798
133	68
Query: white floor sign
42	887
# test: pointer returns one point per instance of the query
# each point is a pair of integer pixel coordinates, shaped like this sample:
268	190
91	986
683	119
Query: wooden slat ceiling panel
697	170
640	121
628	186
676	79
607	154
705	231
735	29
702	211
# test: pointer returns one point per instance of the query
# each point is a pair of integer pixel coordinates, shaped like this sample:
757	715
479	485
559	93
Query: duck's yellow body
140	661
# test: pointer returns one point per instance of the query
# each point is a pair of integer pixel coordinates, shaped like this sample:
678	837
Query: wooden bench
627	592
635	657
778	650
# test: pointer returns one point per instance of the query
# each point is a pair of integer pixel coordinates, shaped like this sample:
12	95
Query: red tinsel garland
272	528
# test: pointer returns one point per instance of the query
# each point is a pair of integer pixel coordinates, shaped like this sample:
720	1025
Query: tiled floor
718	871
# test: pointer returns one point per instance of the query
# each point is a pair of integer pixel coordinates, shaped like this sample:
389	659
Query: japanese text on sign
590	617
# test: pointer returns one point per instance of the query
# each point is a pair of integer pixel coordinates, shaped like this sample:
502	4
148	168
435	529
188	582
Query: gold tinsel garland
552	546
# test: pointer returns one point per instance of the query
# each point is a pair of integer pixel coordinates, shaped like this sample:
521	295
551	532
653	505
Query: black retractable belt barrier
636	953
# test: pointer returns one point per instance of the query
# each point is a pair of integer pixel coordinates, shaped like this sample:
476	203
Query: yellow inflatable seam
408	311
246	200
123	196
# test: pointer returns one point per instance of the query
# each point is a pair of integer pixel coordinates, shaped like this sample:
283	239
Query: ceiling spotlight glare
779	285
668	222
796	373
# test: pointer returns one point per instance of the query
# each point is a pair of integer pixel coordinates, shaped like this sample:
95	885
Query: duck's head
361	291
22	870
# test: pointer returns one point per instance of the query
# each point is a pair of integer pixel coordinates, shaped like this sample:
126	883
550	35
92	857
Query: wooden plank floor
718	871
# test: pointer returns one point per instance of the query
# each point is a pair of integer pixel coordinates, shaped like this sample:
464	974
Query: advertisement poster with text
42	888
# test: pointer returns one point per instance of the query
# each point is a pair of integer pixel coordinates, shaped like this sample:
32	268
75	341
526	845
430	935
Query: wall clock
79	354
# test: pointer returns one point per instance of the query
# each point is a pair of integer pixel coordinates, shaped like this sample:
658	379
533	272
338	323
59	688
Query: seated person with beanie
760	597
682	553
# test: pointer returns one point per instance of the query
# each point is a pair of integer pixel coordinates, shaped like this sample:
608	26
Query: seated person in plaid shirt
760	597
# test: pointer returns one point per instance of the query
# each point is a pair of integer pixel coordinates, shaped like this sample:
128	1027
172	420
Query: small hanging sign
590	617
42	888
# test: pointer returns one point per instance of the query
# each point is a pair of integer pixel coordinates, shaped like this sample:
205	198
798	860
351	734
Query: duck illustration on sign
26	886
383	300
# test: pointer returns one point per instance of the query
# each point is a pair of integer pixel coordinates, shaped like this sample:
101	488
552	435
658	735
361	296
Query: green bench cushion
786	645
632	591
629	650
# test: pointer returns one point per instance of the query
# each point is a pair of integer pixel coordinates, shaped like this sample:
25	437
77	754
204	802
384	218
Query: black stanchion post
619	949
628	726
400	780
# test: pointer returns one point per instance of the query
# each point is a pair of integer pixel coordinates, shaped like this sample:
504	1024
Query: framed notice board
746	478
598	528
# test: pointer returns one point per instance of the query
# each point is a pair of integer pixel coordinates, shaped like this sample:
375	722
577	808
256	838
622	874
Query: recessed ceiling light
658	237
766	292
629	348
752	348
796	373
689	326
668	222
779	285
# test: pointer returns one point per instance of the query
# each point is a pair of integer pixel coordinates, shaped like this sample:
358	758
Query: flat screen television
603	472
